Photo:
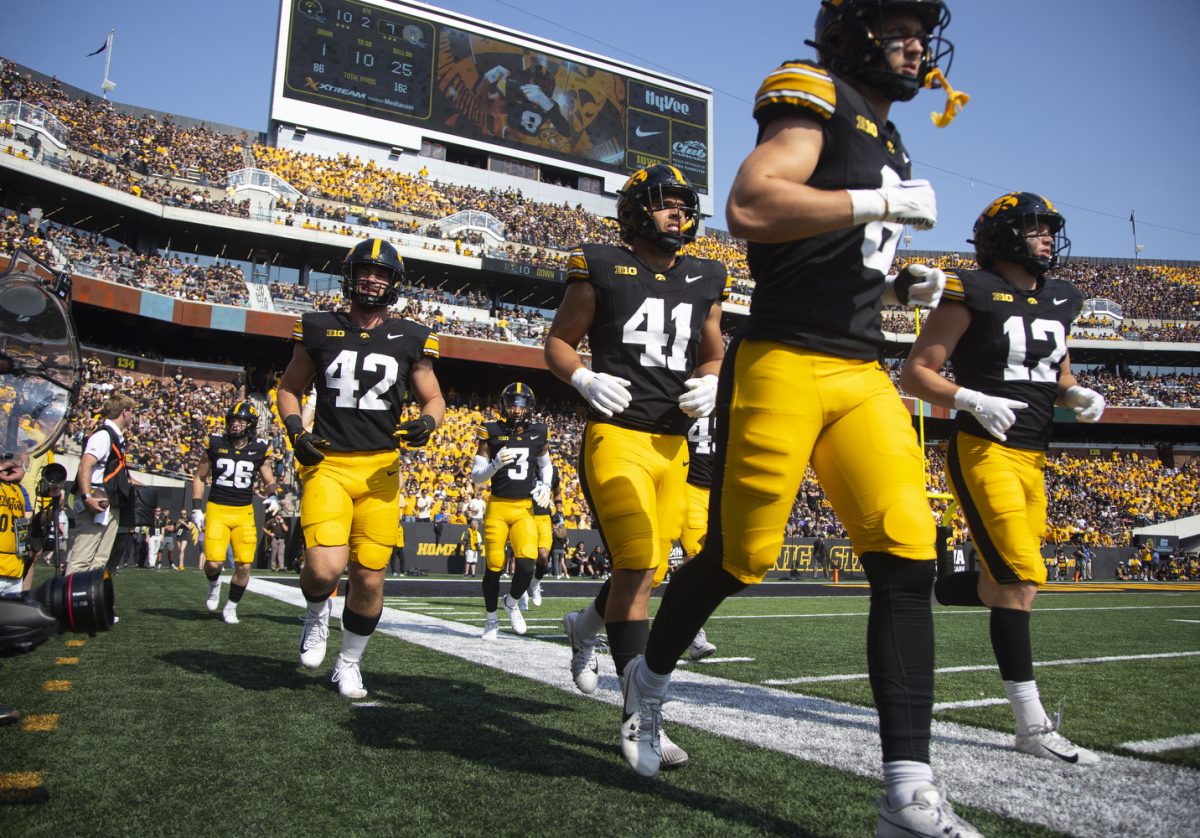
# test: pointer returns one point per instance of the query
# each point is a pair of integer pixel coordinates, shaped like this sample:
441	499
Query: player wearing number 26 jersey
363	363
1004	330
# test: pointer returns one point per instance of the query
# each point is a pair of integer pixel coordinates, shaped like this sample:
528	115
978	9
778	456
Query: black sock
601	601
900	653
958	589
627	640
1011	644
356	623
313	600
541	570
491	589
522	574
212	575
695	591
235	592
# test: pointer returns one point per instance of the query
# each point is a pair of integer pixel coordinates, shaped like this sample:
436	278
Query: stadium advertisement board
402	72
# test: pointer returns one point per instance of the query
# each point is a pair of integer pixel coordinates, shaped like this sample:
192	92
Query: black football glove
417	432
304	445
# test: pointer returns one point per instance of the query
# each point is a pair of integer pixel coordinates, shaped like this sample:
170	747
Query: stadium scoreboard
401	72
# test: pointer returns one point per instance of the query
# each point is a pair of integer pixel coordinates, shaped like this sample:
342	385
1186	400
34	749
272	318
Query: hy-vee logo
667	103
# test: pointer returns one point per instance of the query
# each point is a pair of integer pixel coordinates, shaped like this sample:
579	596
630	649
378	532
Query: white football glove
908	202
916	285
496	74
271	505
606	393
534	94
198	518
507	456
1086	402
541	495
993	412
700	397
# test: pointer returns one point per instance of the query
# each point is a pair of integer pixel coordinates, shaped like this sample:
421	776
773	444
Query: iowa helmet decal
643	194
245	412
381	254
1011	223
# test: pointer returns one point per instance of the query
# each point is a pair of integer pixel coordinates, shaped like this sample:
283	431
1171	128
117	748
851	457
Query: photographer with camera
103	486
14	515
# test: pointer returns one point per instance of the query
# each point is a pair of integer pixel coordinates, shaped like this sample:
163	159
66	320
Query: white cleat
1046	742
641	725
213	601
348	678
700	648
673	756
491	629
584	668
929	814
229	613
535	593
515	618
314	636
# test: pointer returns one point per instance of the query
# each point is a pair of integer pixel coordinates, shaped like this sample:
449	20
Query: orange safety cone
835	574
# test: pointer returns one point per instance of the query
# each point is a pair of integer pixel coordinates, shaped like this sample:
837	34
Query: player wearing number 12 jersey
232	460
653	319
363	362
1004	329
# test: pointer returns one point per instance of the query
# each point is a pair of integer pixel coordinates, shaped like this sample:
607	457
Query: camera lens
81	602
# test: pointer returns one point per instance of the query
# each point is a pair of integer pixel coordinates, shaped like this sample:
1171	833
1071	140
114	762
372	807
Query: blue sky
1090	102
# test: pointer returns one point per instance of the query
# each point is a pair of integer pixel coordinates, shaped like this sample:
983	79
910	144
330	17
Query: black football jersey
361	376
545	510
1013	348
515	480
646	328
233	469
825	292
701	443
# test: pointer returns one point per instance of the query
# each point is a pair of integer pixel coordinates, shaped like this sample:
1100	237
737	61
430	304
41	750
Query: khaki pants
92	543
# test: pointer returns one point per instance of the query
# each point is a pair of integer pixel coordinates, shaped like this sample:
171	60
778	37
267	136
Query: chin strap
955	99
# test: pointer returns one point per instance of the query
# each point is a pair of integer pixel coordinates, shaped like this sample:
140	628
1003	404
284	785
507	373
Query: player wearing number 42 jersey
232	460
363	362
1004	329
513	455
652	317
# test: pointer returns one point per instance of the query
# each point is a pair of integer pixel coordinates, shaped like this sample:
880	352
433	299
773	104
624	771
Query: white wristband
867	205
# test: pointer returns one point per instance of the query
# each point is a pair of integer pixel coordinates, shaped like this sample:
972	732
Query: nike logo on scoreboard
638	131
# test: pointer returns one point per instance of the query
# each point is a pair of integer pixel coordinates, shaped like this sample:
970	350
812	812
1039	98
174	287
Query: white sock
353	645
903	778
214	583
1026	704
650	682
317	609
491	615
231	606
589	621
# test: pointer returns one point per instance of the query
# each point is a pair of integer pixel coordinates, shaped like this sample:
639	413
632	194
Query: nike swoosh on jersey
397	335
639	132
1059	302
693	278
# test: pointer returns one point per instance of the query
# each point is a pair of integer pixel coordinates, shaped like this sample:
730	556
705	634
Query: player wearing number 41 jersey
363	363
232	460
652	317
1004	329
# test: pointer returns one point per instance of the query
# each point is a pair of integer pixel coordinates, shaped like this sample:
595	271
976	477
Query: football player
232	460
822	200
513	455
362	362
545	518
695	520
1004	329
653	319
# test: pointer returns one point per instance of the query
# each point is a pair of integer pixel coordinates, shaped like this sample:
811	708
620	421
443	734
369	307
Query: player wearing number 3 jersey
653	319
363	362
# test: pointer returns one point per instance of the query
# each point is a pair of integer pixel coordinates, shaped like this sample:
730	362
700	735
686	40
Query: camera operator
104	487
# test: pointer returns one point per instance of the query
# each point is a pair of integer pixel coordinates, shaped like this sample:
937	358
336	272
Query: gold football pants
695	523
225	525
508	520
790	406
350	498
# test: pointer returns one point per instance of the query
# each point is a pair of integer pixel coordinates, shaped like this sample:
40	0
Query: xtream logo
667	103
693	149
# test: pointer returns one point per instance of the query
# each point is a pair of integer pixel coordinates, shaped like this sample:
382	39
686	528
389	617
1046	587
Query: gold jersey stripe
577	266
433	345
726	287
298	330
798	84
954	288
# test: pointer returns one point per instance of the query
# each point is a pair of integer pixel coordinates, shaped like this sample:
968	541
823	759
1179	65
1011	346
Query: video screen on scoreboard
389	64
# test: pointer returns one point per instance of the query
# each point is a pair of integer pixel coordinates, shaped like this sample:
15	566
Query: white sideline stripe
707	661
959	705
1157	746
943	612
1122	795
862	676
1185	621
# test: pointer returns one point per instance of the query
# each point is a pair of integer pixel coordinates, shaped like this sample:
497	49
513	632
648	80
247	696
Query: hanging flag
1133	224
103	47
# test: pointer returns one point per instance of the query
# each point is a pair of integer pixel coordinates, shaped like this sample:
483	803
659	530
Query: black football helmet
848	42
245	412
1002	232
643	193
372	252
517	395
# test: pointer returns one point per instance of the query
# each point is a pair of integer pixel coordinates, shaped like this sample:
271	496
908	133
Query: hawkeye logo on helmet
1000	204
667	103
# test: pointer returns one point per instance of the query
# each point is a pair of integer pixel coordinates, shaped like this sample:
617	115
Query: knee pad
898	577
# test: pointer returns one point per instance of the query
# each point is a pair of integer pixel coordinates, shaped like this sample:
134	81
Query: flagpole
107	85
1133	227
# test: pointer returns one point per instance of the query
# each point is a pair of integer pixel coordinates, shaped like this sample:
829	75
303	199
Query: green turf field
175	723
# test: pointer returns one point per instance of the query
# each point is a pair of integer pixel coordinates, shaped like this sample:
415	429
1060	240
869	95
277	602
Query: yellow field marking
75	643
56	686
66	661
40	723
18	786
